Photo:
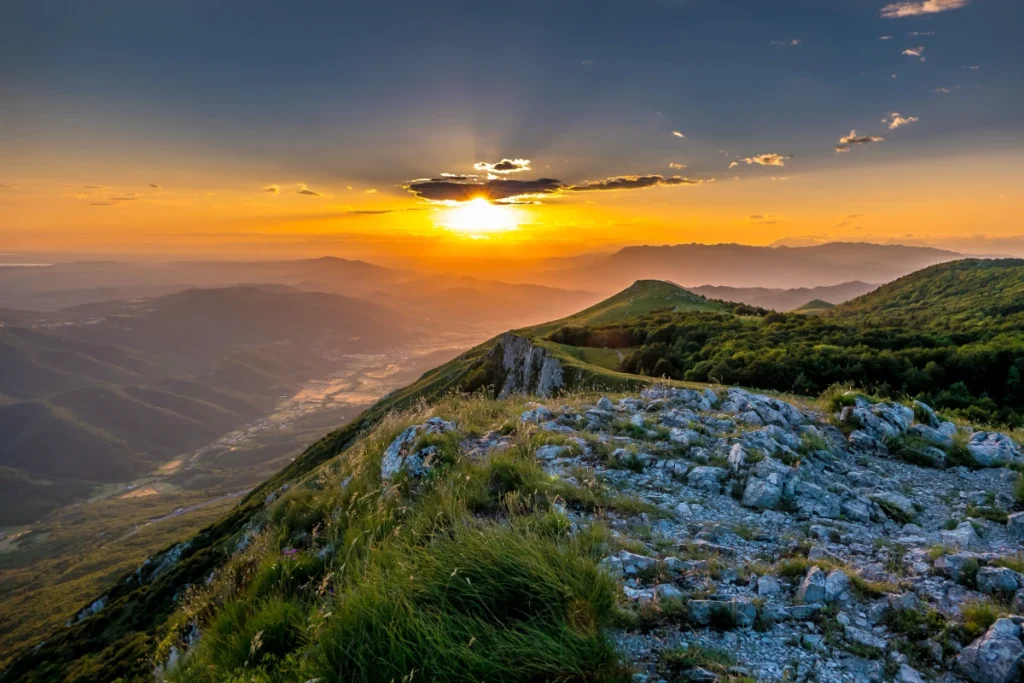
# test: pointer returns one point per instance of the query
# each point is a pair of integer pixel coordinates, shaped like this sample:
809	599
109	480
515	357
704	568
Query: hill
966	294
785	299
469	536
640	298
814	306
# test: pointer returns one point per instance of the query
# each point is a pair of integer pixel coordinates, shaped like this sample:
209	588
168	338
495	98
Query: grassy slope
814	306
640	298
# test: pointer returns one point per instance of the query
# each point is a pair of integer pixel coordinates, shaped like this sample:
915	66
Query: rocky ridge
876	543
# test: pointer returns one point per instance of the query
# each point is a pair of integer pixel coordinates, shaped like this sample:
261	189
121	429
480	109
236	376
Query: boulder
998	581
963	536
708	479
768	585
895	504
766	485
992	449
837	585
1015	526
995	657
812	588
958	566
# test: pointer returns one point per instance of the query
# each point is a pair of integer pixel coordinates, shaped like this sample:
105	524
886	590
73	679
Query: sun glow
479	218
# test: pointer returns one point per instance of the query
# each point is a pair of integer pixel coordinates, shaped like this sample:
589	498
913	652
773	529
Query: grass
467	575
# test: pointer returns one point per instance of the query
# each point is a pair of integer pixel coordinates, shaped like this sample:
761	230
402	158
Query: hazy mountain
785	299
107	392
737	265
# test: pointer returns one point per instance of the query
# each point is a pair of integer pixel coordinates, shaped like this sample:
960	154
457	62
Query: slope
961	295
641	298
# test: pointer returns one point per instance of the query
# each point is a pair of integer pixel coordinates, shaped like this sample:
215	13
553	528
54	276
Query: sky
418	133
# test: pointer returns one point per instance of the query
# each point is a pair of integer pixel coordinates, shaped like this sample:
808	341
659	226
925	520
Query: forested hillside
952	334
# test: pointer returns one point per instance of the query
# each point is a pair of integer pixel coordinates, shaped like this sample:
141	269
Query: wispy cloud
885	37
914	52
272	189
675	165
785	43
897	10
306	191
764	160
895	120
631	182
504	166
944	91
678	134
154	186
914	34
854	139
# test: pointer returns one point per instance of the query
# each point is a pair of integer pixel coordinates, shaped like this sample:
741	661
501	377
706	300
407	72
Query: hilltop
639	299
814	306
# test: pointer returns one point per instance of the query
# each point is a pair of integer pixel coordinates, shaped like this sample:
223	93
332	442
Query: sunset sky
206	129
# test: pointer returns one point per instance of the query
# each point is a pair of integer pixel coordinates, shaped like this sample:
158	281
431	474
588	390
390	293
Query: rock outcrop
528	368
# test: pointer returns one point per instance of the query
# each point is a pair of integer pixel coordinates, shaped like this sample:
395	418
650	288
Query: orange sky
193	215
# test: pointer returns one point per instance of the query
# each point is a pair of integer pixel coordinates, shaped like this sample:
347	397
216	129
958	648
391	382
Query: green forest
952	335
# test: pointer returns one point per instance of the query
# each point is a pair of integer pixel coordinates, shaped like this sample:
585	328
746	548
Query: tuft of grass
484	604
992	514
978	615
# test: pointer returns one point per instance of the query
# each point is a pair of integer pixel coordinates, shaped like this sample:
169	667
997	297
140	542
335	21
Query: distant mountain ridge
779	299
736	265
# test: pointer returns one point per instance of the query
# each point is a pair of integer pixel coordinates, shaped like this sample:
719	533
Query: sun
479	218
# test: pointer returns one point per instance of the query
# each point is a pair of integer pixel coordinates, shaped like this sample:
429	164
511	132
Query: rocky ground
875	543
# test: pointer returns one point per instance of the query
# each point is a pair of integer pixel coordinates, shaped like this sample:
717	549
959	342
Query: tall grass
467	574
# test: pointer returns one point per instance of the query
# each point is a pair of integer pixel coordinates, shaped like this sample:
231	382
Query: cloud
764	160
505	190
272	189
631	182
675	165
678	134
766	219
154	186
854	139
6	187
306	191
101	203
885	37
914	34
944	91
93	187
492	189
895	120
914	52
504	166
785	43
124	199
898	10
